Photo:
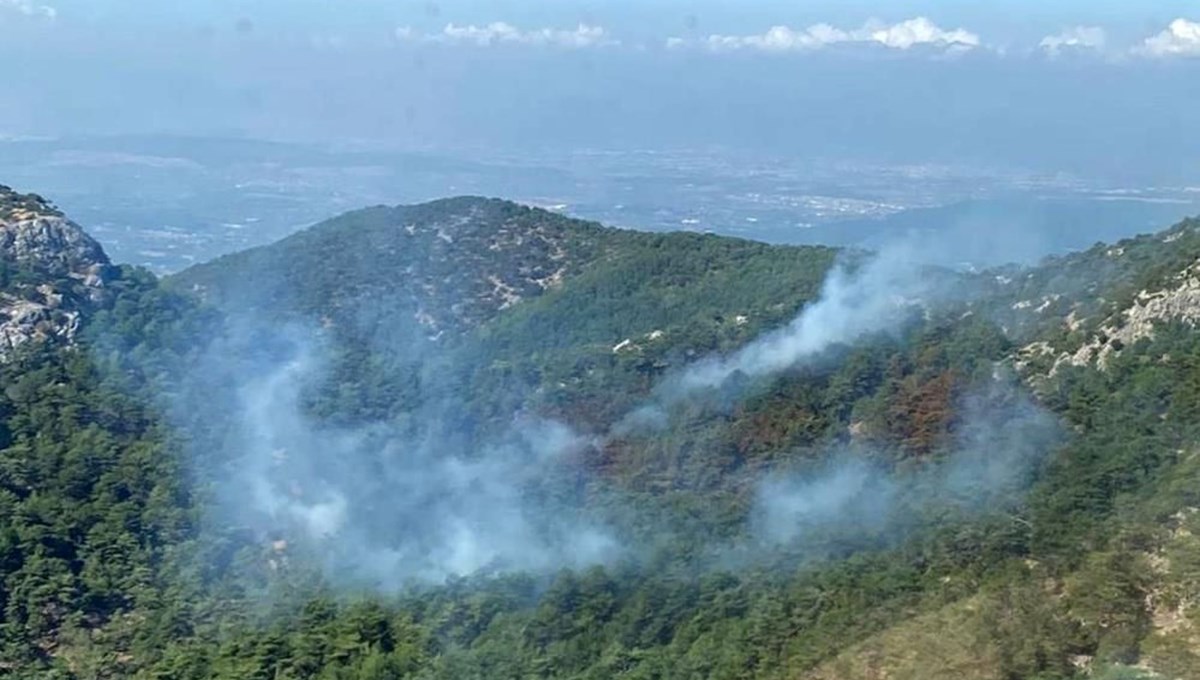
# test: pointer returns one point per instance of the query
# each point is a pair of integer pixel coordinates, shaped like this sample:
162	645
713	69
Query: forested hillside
252	470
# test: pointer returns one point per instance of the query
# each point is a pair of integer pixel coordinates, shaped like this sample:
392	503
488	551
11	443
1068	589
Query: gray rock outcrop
51	273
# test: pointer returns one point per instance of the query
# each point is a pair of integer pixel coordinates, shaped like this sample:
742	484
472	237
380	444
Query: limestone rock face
51	272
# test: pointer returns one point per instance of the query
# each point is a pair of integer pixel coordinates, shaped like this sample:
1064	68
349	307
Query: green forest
112	564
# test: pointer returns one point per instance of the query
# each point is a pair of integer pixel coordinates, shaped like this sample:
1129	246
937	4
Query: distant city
167	202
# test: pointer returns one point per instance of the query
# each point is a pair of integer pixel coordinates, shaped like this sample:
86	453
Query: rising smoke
858	299
1000	439
384	504
852	304
388	503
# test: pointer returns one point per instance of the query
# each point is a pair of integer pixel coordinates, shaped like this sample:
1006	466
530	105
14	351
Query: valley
453	440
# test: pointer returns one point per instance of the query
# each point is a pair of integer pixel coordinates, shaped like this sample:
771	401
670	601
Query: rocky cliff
51	272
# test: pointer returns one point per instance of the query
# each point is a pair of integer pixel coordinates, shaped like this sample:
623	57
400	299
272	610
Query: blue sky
1051	85
1002	20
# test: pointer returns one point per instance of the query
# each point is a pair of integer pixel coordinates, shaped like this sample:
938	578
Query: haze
1102	87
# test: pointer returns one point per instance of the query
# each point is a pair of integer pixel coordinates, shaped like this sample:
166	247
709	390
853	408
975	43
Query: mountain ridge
524	249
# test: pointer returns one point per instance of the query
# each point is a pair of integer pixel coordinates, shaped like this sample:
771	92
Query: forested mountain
470	439
522	296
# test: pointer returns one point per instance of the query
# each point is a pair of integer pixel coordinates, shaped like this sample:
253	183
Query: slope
1110	345
108	569
1091	522
447	265
522	298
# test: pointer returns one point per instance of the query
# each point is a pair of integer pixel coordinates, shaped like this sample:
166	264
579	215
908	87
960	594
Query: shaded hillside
447	265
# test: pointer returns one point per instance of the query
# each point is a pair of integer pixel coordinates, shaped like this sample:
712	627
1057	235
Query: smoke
426	494
852	304
1001	438
384	504
857	299
848	493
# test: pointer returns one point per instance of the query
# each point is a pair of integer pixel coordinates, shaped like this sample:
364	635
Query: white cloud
922	31
502	33
29	8
782	39
1180	39
1077	38
483	36
904	35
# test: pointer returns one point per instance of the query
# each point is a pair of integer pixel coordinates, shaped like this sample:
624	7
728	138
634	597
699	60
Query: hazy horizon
1101	88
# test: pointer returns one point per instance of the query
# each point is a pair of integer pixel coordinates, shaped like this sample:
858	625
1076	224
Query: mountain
511	290
51	272
455	264
1114	293
450	264
241	470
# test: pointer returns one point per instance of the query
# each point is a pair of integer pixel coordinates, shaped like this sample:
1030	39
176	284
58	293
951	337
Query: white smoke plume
385	505
1000	440
852	304
855	301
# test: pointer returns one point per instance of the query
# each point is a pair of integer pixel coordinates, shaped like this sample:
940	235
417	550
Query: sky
1063	85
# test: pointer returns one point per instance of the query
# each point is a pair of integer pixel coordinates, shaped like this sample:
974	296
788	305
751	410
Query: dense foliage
108	570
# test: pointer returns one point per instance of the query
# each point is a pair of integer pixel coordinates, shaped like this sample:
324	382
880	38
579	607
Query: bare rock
51	273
